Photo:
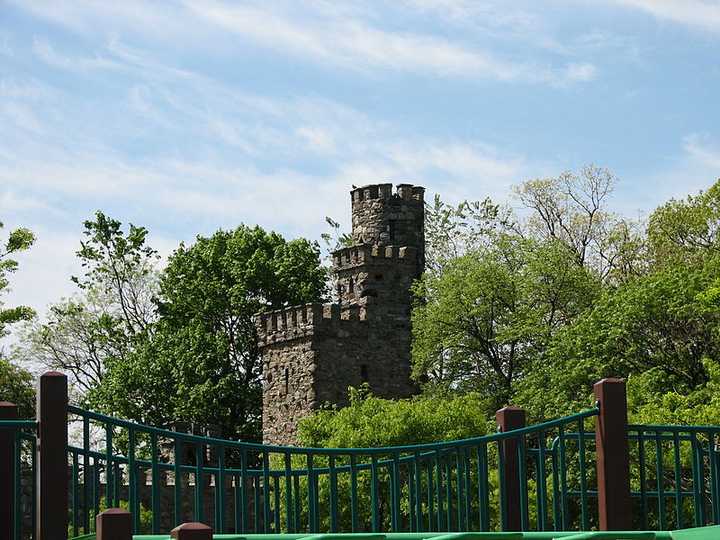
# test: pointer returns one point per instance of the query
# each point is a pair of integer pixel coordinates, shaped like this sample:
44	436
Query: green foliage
651	400
18	240
491	312
685	230
201	363
664	323
17	386
370	421
111	313
454	230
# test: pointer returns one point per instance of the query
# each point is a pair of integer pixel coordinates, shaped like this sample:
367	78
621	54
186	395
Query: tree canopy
201	365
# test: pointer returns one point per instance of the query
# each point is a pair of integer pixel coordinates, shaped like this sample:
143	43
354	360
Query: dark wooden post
8	411
52	479
613	458
509	418
113	524
192	531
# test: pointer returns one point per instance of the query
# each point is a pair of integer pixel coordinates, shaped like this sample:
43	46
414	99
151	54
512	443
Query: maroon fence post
613	457
52	479
113	524
191	531
8	411
509	418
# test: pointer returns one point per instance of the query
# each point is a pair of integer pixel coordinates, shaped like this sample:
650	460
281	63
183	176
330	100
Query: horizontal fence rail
552	476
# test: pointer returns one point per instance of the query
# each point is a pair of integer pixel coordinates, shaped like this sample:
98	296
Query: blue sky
189	116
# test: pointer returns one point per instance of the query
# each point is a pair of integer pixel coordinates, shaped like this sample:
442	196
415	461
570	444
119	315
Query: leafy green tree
666	322
369	421
201	365
573	209
491	312
112	311
686	230
454	230
18	240
17	386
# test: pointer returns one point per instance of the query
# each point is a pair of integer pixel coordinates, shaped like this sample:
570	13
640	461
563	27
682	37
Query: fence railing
572	473
17	473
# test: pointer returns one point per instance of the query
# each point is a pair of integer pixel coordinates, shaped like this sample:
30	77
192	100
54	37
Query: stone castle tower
313	353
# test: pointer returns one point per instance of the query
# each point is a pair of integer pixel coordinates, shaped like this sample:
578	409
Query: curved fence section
675	475
583	472
165	477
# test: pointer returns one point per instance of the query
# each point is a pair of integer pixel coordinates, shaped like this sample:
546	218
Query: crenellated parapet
404	192
296	322
367	254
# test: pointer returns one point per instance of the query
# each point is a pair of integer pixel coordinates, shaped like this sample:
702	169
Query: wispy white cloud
354	44
341	35
702	150
46	52
704	14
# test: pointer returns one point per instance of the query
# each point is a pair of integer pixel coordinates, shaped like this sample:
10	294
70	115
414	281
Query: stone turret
313	353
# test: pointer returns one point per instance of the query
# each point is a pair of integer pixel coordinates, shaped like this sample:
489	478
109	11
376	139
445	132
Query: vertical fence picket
108	465
698	471
417	470
584	518
395	493
199	483
678	483
540	473
220	487
133	502
266	490
714	491
312	496
659	478
13	508
374	494
483	488
86	474
643	479
244	525
177	482
156	487
564	506
75	492
439	490
333	494
288	493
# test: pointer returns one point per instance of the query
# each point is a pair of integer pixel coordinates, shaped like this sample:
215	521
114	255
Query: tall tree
686	230
202	364
16	384
666	322
492	311
573	209
112	310
18	240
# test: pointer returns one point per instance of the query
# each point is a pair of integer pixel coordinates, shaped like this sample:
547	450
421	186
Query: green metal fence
676	475
254	488
536	478
23	447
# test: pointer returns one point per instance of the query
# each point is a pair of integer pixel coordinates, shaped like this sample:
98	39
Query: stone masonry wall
313	353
